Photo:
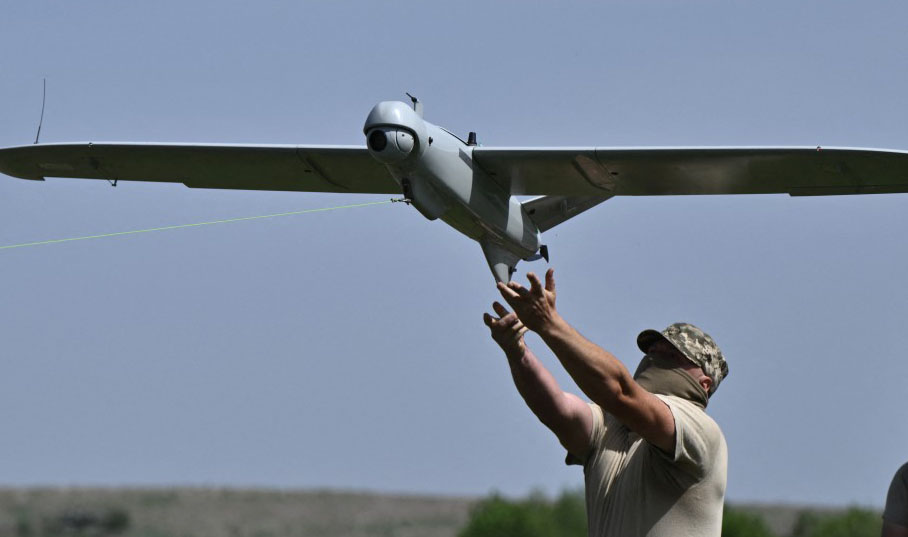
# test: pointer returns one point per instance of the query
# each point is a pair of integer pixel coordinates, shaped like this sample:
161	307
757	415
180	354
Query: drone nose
404	141
389	144
378	141
395	133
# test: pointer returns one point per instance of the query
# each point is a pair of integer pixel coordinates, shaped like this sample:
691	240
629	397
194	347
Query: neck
661	376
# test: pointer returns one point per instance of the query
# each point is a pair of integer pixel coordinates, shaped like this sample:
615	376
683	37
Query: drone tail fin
502	261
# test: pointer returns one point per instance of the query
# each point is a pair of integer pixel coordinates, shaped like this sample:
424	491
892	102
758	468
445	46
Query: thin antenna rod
43	102
417	105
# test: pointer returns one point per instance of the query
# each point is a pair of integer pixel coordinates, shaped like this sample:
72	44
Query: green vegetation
108	522
565	516
736	523
533	517
855	522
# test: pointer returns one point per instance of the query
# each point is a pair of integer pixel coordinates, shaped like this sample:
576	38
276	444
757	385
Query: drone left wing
657	171
243	167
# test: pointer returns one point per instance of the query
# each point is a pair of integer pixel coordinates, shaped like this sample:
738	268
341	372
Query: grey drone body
473	188
436	174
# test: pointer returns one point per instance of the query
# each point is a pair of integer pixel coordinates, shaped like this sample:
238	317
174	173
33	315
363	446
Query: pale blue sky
346	349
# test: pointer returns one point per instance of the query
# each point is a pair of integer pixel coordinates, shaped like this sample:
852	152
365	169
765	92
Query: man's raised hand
507	331
535	306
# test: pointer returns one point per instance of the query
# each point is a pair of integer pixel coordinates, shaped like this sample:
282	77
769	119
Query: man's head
669	356
693	349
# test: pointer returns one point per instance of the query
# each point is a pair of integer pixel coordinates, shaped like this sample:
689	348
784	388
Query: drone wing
524	171
245	167
799	171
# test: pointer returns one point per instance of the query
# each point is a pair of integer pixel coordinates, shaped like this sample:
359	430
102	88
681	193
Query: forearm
601	376
539	389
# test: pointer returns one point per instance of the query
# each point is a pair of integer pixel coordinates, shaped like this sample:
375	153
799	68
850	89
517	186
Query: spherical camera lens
378	141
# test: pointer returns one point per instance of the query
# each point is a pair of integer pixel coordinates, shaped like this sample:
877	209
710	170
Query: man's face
667	351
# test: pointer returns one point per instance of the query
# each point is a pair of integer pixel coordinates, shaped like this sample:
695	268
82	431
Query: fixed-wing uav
472	188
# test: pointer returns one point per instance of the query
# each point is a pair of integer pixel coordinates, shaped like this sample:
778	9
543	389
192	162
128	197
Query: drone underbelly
486	215
464	221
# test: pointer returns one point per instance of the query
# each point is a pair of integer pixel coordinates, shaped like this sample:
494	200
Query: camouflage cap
693	343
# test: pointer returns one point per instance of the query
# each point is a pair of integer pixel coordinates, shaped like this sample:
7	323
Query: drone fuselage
437	175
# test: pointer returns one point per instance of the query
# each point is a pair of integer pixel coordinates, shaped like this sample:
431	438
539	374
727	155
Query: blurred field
187	512
198	512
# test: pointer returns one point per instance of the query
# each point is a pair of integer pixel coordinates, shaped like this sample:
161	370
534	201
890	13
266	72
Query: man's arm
601	376
563	413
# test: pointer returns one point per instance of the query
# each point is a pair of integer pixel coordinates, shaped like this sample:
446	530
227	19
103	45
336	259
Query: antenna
417	106
43	102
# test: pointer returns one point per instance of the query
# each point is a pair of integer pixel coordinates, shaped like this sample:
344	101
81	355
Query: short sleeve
597	433
896	511
698	439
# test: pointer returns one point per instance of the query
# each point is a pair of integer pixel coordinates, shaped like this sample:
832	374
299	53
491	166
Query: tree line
565	516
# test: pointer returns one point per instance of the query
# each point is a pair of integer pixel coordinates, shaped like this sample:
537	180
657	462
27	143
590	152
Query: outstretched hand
507	331
535	306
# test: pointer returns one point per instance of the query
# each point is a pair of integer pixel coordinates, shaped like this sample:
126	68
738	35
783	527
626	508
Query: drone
477	190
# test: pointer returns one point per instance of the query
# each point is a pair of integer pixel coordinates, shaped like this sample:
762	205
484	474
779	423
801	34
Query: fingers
517	288
535	284
510	320
509	294
507	331
506	320
507	291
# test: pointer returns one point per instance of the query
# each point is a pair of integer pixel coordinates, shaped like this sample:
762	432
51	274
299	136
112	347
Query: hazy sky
346	349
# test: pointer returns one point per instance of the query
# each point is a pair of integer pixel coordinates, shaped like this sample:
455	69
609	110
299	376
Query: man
895	516
654	462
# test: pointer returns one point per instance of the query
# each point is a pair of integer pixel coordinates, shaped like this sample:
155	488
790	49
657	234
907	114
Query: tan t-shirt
897	500
634	489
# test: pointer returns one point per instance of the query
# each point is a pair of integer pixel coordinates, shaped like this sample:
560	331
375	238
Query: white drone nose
404	141
395	133
389	145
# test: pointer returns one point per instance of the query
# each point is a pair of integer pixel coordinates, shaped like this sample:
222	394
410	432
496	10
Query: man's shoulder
689	412
700	451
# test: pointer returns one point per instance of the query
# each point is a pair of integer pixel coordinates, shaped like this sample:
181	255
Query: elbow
614	393
554	413
553	416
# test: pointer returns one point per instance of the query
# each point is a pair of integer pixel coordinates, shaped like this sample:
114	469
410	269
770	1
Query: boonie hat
695	344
